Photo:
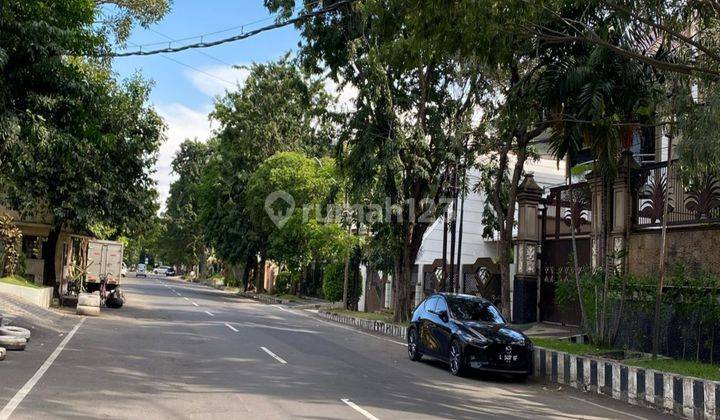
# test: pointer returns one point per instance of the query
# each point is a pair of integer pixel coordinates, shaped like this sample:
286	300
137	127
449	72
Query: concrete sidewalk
16	311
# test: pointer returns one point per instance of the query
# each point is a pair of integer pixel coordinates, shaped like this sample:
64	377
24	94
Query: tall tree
412	113
307	232
278	108
76	146
184	231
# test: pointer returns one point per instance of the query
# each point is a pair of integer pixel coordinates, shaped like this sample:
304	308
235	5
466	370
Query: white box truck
105	259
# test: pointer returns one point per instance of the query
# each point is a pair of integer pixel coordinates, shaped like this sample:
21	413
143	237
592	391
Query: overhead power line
167	57
216	32
198	51
238	37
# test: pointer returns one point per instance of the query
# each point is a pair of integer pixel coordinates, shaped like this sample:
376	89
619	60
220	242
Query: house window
32	246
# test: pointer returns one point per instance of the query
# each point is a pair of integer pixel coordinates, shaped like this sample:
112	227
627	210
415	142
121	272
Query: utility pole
453	225
444	252
460	232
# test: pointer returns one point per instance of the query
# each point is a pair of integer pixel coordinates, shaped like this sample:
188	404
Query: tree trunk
504	253
404	294
661	276
48	253
246	275
576	266
202	263
605	258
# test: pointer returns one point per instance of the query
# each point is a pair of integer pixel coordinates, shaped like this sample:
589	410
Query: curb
681	395
392	330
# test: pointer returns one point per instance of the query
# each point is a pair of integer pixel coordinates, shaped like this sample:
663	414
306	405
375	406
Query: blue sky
184	96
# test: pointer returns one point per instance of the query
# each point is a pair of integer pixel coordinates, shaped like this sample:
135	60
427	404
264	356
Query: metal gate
485	282
565	207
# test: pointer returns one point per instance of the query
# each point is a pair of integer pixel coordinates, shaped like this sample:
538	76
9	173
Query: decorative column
363	287
596	205
622	210
388	291
419	296
525	287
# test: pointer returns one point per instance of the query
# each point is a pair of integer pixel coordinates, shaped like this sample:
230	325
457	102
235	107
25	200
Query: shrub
333	278
284	282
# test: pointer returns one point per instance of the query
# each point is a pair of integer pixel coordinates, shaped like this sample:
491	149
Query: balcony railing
697	202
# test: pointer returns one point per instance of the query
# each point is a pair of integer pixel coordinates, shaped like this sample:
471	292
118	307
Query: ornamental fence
688	203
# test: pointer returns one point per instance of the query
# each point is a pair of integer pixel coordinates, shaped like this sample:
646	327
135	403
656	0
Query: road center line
195	304
209	313
231	327
359	409
607	408
25	390
273	355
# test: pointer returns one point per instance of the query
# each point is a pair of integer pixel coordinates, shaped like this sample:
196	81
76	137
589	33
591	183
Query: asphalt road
179	350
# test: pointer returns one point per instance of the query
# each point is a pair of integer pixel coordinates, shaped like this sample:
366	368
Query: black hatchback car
468	332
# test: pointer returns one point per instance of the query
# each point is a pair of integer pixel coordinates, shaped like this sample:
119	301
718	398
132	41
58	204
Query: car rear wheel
413	352
457	362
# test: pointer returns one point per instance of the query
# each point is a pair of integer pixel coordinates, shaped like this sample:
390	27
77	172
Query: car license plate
507	358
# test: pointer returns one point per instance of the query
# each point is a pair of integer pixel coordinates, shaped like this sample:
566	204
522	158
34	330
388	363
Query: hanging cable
238	37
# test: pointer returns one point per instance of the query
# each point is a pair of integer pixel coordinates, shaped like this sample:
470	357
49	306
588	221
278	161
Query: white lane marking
335	324
195	304
607	408
359	409
186	299
273	355
25	390
209	313
231	327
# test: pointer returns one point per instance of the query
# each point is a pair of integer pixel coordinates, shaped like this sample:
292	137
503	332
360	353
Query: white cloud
182	123
345	95
215	80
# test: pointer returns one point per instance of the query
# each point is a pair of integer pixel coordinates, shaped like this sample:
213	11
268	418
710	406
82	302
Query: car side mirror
444	316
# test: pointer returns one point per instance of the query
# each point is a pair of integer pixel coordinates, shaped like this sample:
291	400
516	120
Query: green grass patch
567	346
374	316
680	367
19	281
291	298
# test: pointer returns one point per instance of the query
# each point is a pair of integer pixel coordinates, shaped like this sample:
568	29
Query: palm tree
596	100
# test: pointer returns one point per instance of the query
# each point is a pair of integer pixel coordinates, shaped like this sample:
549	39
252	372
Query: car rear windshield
475	310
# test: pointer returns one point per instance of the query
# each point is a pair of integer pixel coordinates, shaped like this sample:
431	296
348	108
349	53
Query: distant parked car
468	332
123	270
141	270
159	270
170	271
